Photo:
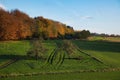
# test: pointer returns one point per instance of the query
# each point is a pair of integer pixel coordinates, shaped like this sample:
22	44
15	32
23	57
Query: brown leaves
16	25
13	27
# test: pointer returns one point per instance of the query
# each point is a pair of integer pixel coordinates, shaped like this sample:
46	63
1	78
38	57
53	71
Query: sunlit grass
71	76
107	52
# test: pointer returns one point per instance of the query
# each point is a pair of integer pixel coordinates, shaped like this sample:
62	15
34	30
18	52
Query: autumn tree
50	29
25	23
8	27
16	25
40	27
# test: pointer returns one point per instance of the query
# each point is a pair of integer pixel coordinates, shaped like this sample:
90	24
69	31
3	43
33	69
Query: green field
100	38
107	52
96	58
72	76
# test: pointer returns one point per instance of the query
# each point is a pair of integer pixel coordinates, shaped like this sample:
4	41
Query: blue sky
101	16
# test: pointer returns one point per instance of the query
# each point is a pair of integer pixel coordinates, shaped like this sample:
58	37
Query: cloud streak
87	17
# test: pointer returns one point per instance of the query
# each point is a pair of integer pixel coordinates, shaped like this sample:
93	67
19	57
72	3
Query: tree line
17	25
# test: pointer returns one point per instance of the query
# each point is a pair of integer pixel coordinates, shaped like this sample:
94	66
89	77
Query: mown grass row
71	76
56	72
52	54
56	57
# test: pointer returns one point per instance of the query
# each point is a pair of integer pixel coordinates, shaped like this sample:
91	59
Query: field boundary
58	72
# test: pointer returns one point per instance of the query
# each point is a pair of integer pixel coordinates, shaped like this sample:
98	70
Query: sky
100	16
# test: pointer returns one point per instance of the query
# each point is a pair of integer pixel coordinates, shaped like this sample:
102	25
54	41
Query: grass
14	47
109	58
106	52
71	76
98	45
26	65
99	38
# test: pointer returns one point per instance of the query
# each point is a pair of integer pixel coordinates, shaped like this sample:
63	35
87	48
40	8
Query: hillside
85	57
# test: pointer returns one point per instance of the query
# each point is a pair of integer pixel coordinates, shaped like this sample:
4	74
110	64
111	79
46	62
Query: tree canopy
16	25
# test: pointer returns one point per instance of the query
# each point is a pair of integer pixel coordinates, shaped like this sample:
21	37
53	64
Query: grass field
107	52
95	56
72	76
98	38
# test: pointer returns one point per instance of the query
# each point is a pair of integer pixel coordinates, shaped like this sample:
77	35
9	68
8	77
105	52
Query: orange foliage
16	25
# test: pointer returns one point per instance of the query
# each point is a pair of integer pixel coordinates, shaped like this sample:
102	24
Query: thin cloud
2	6
87	17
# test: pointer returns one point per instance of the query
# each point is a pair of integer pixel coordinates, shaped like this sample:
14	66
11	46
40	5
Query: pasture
71	76
100	38
89	58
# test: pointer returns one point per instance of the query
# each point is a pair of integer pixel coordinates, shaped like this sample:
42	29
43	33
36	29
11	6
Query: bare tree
68	47
37	50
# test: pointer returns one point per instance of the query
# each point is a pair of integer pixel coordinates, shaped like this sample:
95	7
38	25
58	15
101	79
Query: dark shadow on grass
77	58
19	57
14	58
98	45
24	57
